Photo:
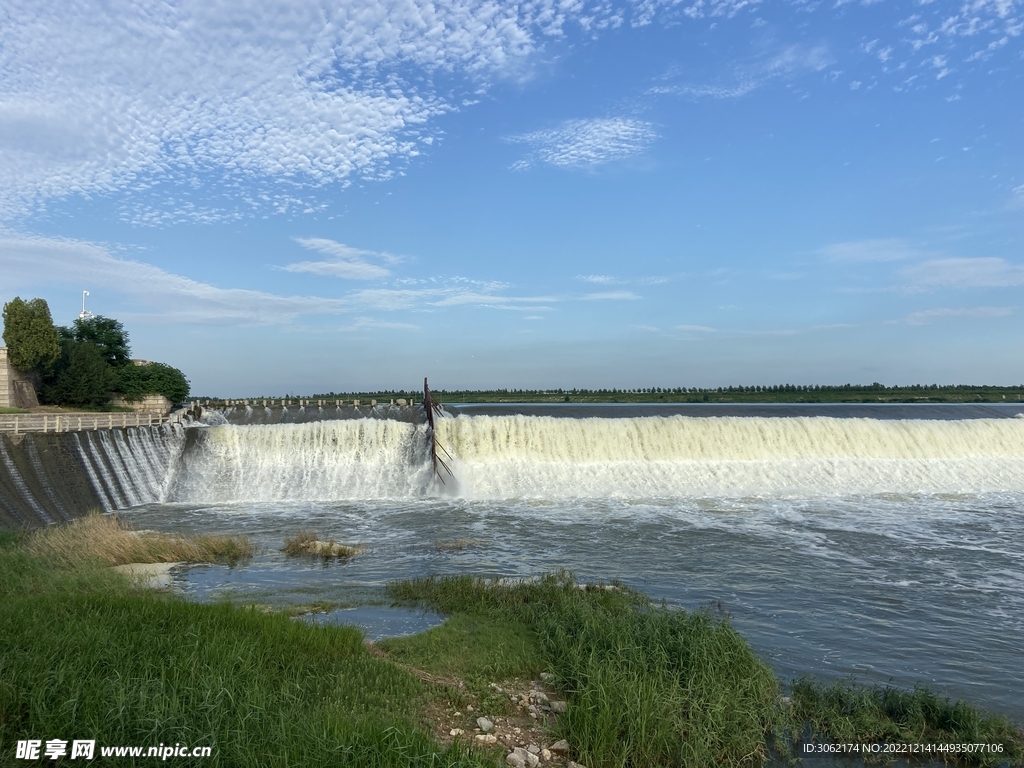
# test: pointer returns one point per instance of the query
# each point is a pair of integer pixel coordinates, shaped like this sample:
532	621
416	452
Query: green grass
477	650
13	410
855	714
83	656
648	686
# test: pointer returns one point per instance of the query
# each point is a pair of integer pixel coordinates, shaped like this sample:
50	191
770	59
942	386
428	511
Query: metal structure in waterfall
432	409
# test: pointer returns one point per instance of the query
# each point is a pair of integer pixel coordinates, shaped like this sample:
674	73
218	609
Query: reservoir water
883	543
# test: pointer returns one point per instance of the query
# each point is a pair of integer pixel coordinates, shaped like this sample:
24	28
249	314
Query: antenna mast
85	314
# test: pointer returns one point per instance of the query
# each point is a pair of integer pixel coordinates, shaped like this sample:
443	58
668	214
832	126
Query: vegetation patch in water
308	544
109	541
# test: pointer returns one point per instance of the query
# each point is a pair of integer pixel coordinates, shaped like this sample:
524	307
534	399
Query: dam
879	543
49	478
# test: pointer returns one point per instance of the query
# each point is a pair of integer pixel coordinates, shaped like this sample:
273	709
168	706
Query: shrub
137	381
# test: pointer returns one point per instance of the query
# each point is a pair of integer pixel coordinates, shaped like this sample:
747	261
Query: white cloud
986	272
878	250
98	97
586	143
924	317
646	11
346	262
368	323
453	294
698	328
31	261
614	280
611	296
523	303
786	62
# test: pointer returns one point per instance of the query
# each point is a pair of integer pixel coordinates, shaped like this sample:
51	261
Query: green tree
81	376
107	334
137	381
32	341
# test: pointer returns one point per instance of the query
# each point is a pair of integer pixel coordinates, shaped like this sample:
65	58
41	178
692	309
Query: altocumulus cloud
98	97
586	143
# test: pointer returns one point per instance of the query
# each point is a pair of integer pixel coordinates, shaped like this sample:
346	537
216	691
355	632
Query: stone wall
16	390
148	404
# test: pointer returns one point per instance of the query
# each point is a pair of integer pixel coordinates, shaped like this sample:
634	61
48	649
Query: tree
81	376
32	341
137	381
107	334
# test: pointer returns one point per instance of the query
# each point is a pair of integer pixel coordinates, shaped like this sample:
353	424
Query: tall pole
85	313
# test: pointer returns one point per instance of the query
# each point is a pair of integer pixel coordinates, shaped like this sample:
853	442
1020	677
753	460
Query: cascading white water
502	457
131	467
520	456
325	460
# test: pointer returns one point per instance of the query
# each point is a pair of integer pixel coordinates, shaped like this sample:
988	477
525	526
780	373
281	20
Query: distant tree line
84	364
778	393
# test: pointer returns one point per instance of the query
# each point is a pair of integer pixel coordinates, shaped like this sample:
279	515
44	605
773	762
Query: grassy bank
84	656
647	686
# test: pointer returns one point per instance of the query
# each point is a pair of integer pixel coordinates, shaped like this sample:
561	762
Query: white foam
508	457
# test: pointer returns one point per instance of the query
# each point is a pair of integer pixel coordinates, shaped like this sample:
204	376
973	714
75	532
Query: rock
539	696
149	575
558	707
574	764
486	738
546	754
456	732
533	749
515	760
546	676
469	707
560	747
530	760
484	724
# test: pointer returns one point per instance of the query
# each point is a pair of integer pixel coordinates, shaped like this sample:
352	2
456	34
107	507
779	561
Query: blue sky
310	196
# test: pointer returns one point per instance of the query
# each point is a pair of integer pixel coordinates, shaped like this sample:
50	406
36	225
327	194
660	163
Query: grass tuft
109	541
307	544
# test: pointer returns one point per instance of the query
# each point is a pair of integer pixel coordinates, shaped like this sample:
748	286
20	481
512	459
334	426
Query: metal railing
19	423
